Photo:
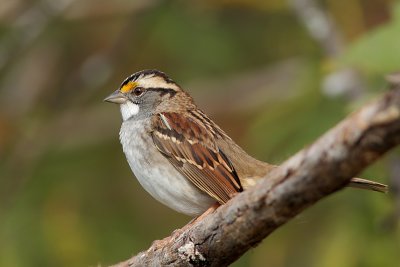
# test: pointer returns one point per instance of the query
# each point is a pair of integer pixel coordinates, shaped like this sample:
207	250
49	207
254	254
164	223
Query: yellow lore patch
128	87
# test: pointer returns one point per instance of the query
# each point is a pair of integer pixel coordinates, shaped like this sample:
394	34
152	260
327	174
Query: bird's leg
157	244
210	210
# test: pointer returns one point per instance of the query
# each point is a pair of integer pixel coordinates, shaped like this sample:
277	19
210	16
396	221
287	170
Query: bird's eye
138	91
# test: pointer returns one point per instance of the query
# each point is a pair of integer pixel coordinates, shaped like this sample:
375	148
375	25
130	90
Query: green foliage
378	50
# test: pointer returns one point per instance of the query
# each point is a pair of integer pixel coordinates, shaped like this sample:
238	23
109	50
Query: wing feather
192	150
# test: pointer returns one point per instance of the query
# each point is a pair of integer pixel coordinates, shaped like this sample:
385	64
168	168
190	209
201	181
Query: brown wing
192	150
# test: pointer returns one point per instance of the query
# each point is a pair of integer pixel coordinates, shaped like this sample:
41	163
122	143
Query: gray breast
155	173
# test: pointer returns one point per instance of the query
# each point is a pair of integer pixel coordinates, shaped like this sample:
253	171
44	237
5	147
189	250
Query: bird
178	154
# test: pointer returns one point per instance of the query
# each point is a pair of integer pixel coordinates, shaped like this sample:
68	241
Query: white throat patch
128	110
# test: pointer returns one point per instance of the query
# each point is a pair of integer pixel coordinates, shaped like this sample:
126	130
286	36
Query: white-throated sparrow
178	154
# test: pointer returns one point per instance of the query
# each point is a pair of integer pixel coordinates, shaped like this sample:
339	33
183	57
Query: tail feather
368	185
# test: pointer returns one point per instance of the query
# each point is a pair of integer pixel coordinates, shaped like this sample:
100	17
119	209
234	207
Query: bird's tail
368	185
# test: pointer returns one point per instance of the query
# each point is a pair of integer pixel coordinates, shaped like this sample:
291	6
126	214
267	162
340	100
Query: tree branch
315	172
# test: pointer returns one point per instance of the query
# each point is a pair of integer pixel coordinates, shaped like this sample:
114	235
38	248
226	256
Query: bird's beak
117	98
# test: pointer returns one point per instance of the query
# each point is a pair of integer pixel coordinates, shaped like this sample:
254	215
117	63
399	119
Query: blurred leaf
377	51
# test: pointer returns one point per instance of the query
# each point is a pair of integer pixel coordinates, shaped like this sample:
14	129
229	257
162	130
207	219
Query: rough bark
313	173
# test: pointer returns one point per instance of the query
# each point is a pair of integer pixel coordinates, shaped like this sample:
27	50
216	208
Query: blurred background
274	74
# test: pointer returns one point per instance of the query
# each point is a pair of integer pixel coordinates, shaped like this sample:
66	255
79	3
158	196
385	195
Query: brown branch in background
320	25
315	172
323	29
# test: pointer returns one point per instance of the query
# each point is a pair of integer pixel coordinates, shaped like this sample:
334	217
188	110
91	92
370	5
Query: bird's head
147	92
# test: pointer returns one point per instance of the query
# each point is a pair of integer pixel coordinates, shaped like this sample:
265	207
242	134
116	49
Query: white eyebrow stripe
164	119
